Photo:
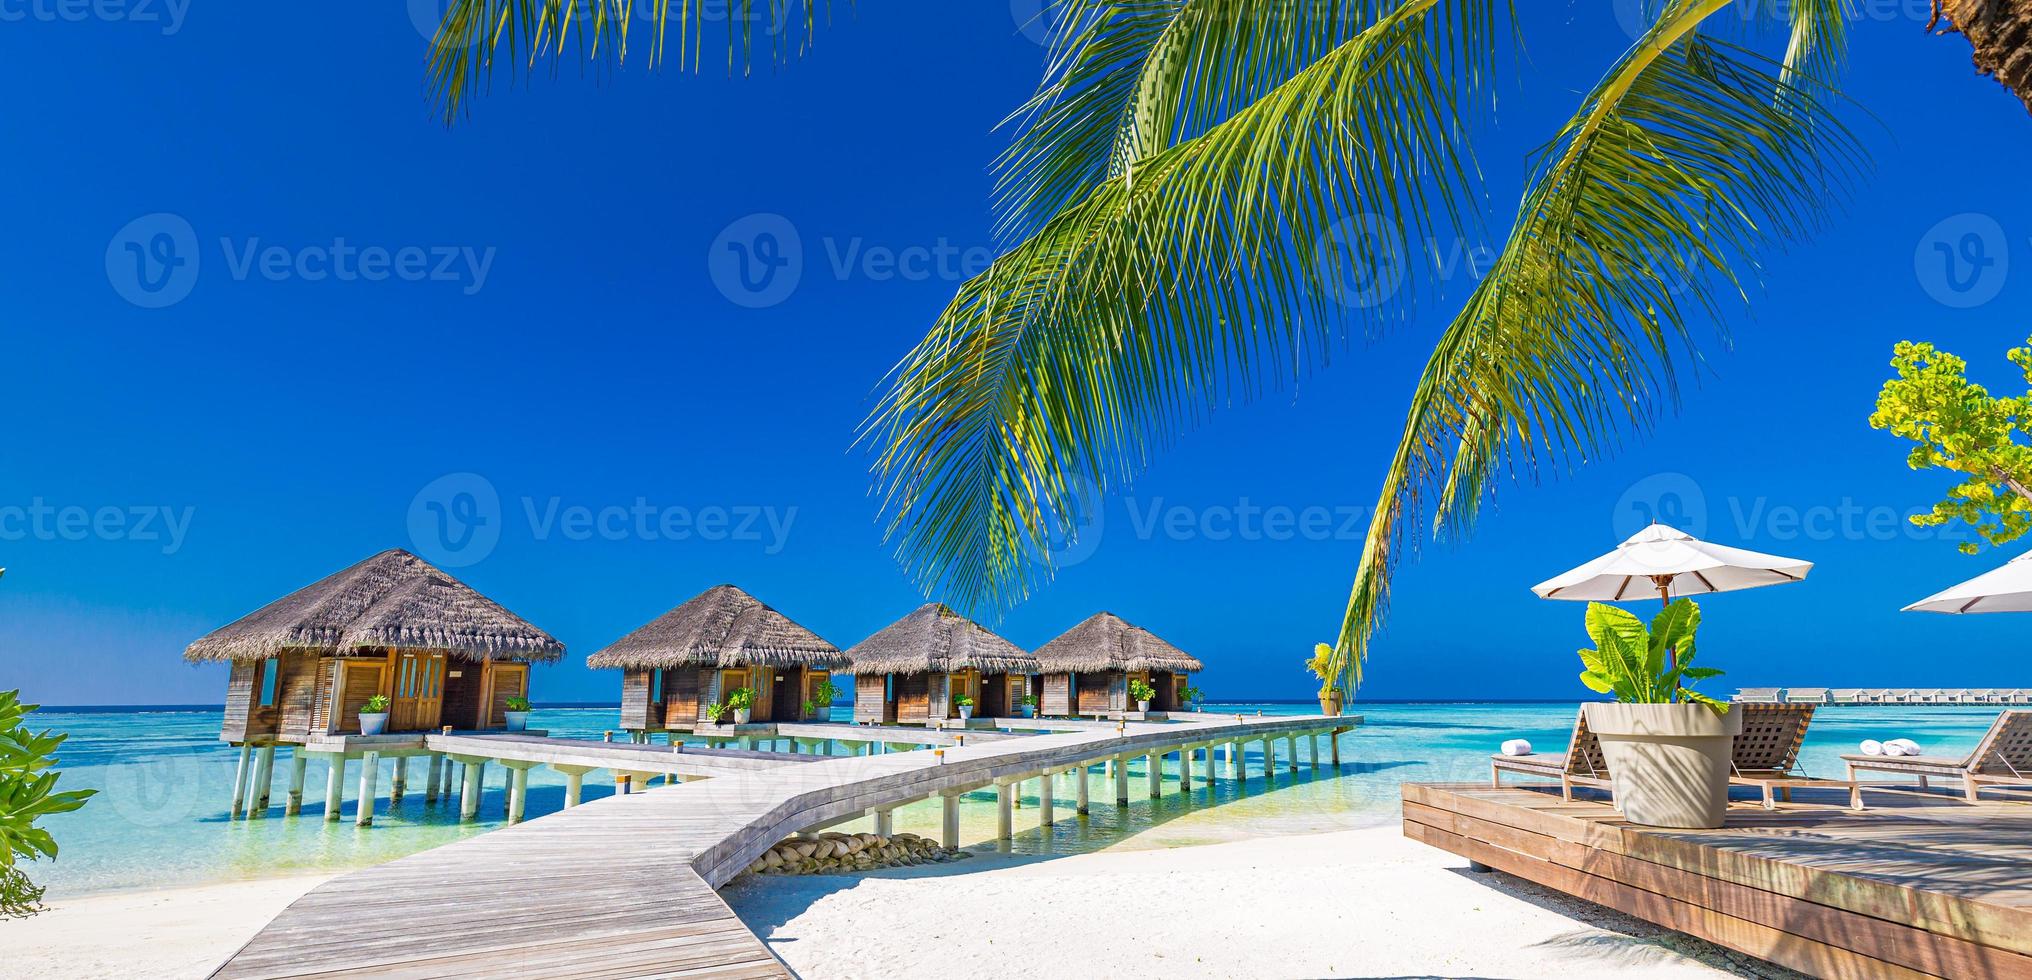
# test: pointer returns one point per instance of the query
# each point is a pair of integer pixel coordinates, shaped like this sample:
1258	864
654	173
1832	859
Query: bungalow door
418	699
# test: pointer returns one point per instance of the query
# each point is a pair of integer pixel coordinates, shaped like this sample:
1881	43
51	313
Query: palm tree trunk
2001	33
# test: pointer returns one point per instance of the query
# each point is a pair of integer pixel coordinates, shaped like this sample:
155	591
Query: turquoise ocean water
165	783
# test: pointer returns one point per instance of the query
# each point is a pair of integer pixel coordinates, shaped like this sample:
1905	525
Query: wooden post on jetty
370	770
335	786
298	761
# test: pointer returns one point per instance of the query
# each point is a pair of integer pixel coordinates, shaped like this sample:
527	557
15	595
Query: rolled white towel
1905	746
1872	747
1516	746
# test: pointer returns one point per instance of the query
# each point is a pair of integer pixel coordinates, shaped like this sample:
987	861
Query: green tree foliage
1956	425
27	794
1641	665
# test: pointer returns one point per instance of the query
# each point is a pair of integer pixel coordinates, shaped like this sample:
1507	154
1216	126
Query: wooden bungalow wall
1056	700
872	704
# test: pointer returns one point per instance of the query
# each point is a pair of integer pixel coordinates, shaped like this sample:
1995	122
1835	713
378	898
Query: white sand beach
1352	903
169	932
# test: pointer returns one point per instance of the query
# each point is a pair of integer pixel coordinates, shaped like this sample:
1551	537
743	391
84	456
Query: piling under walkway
624	886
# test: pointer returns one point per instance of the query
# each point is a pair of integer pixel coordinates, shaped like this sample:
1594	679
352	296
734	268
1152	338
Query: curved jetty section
624	886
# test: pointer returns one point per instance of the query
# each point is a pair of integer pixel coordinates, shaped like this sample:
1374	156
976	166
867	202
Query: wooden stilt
264	779
1079	782
1235	762
1044	814
335	787
1185	769
298	761
399	782
518	792
949	827
574	783
370	770
431	779
1269	759
1334	738
469	789
240	778
1153	772
1005	795
1120	765
885	822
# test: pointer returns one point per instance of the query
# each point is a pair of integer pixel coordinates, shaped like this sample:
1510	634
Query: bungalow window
269	669
656	686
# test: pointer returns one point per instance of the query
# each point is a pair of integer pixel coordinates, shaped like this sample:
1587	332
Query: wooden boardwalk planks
623	886
1918	887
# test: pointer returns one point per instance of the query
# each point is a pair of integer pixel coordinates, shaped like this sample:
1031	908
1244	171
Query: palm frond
1194	277
1655	199
1129	78
476	34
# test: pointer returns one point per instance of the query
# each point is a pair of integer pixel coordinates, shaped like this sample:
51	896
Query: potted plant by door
741	701
1195	698
374	715
1321	665
517	714
966	706
1667	746
820	705
1029	703
1141	692
717	713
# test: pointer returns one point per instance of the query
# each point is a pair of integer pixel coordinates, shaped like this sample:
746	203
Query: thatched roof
1105	643
393	599
722	627
936	640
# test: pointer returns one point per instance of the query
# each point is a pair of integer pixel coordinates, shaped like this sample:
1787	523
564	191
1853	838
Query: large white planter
372	723
1669	762
517	721
966	712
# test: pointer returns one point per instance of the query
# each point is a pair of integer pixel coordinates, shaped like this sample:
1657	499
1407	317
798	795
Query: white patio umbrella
1668	562
2006	589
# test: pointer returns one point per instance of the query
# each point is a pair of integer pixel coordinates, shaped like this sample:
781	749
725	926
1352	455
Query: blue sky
383	314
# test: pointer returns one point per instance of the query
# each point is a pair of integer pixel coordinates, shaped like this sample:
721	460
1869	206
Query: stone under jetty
832	853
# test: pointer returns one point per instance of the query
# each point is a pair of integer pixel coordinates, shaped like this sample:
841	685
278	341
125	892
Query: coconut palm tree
1194	180
1188	186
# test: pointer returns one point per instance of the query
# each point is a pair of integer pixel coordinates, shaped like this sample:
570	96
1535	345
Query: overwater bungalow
1925	695
394	626
1806	695
1900	695
1847	695
1087	669
1758	695
682	663
917	668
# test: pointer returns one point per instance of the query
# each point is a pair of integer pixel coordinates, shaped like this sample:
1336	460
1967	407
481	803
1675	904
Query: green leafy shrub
518	704
375	705
1642	665
740	697
823	694
27	794
1029	699
1141	691
964	701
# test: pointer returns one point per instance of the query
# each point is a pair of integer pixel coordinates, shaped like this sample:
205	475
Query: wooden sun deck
624	886
1919	885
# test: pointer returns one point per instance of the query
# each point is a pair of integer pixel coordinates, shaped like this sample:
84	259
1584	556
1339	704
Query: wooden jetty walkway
1919	885
624	886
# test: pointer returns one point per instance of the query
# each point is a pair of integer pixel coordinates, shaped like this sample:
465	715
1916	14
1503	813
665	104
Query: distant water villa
1088	669
305	666
1882	695
915	670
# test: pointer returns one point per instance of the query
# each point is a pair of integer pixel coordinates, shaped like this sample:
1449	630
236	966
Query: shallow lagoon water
165	783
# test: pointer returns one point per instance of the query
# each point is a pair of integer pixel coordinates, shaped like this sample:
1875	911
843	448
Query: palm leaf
1678	168
1194	277
476	34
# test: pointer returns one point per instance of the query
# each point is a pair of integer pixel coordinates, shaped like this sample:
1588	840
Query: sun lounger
1766	754
2003	758
1581	765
